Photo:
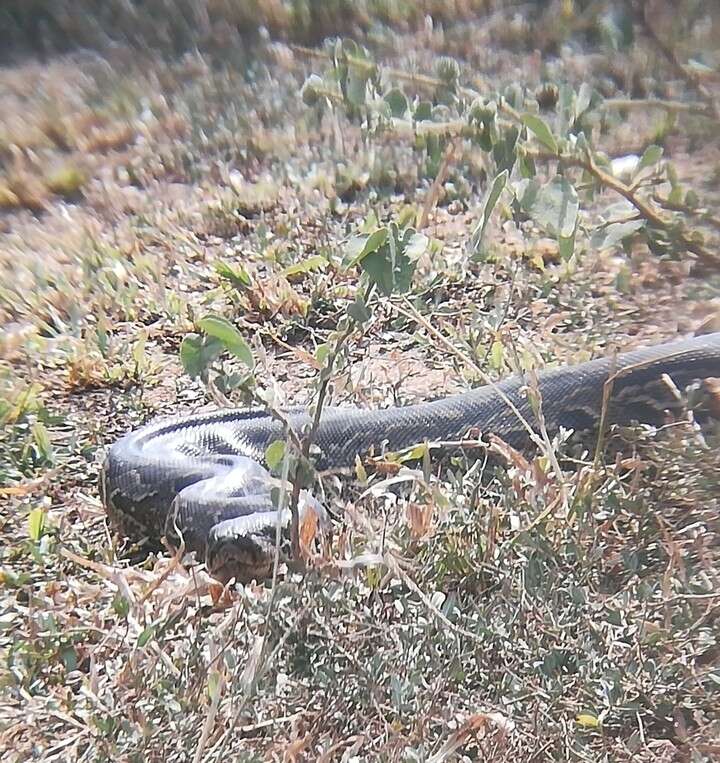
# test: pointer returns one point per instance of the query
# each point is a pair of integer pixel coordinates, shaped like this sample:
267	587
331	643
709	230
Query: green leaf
616	28
213	683
447	69
496	355
587	721
42	441
584	99
190	351
504	150
414	454
555	208
231	338
390	267
491	200
397	102
120	605
274	454
360	472
676	195
317	262
145	636
566	245
358	311
613	234
526	165
416	246
355	89
390	280
651	156
541	131
373	576
370	223
102	335
139	349
312	90
68	657
321	353
197	353
238	277
423	111
36	524
360	247
406	216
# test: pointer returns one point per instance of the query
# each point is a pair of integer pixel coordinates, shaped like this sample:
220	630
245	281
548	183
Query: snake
201	481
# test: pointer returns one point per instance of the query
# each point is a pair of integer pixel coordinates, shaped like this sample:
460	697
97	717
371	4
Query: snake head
240	556
244	548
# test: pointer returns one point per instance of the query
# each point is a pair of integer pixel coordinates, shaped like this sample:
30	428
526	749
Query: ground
456	617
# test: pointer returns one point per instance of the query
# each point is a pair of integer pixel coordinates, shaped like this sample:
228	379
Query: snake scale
200	478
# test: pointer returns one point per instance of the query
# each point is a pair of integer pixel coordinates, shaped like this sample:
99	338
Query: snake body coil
200	477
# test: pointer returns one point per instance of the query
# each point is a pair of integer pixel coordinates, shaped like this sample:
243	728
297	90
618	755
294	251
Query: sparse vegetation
205	212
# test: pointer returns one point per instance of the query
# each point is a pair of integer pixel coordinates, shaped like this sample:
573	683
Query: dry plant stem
548	449
276	565
648	211
602	426
210	718
360	668
588	164
249	692
506	307
308	439
434	192
278	524
259	672
410	312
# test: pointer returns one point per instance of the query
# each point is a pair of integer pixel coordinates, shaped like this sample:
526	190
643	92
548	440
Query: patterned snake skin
200	478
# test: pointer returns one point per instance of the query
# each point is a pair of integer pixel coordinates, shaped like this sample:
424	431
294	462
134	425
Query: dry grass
456	615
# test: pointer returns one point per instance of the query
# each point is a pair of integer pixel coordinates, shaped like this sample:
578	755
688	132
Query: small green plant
387	255
25	444
201	355
547	167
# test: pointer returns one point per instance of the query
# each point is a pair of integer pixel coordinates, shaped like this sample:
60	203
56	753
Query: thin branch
673	107
647	210
410	312
700	214
459	127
